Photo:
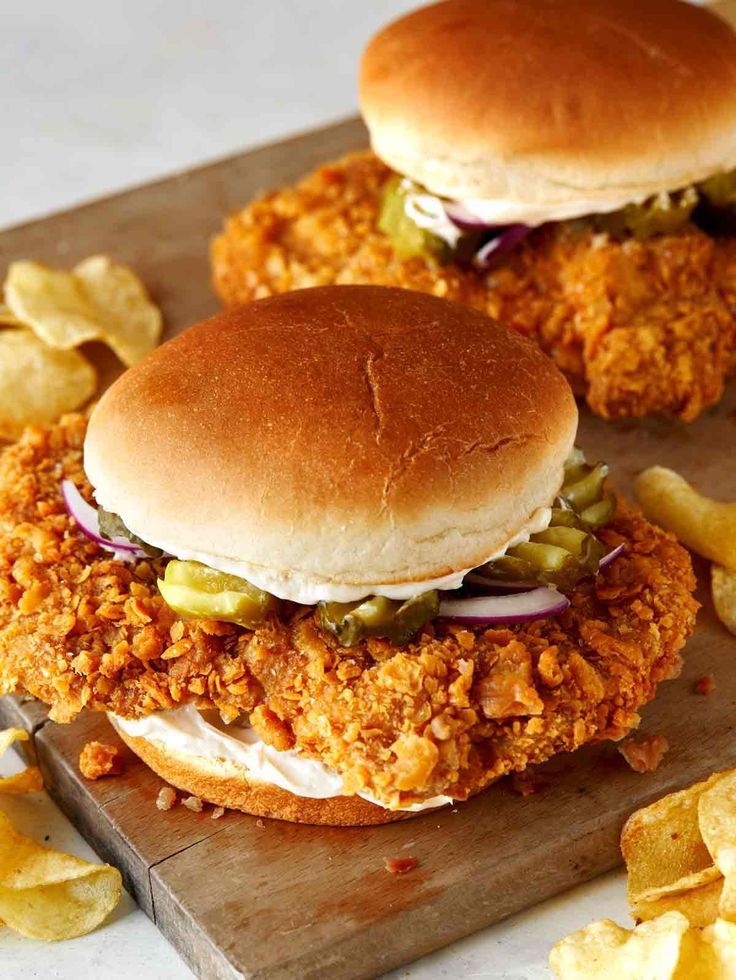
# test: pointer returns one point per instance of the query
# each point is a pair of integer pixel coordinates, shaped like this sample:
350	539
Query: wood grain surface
246	897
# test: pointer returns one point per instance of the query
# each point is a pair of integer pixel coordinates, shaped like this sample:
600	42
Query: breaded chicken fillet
638	327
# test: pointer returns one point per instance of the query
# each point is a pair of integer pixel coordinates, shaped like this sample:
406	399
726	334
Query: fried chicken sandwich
333	557
565	166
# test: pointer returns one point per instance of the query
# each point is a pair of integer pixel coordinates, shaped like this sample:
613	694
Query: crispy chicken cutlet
567	183
402	718
638	327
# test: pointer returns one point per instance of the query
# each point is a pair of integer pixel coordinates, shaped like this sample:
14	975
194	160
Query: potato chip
29	780
48	895
723	588
698	879
98	300
38	383
605	951
717	819
7	318
727	903
700	906
708	954
662	844
704	525
10	735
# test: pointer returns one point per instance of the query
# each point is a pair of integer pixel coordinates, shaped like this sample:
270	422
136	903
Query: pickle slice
112	526
407	238
601	512
662	214
196	591
584	490
720	189
566	550
392	619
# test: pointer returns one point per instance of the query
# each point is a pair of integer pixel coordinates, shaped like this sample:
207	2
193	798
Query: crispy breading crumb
166	798
527	783
400	866
639	327
260	822
218	812
193	803
437	716
644	754
98	759
705	685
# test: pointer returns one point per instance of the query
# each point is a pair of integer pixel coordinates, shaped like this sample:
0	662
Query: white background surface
100	95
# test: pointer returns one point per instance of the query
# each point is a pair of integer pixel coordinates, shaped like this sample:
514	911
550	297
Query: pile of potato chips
47	314
45	894
680	854
706	526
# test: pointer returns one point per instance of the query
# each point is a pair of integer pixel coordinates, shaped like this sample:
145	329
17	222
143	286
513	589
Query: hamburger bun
550	101
340	437
225	783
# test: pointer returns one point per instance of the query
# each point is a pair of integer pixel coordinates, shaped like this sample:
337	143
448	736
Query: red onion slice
520	607
607	559
459	215
503	243
88	522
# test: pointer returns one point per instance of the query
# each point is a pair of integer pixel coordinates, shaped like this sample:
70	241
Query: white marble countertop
99	96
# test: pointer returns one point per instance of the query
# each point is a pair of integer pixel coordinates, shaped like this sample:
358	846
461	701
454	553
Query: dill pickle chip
587	489
391	619
600	513
407	238
720	189
196	591
663	214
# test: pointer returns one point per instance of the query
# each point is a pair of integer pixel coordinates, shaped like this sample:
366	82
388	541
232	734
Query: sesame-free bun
226	783
344	436
547	101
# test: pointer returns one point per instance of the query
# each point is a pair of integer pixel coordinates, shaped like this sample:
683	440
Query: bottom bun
227	784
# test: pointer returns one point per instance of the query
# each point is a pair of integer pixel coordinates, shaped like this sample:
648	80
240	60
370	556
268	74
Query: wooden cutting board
246	897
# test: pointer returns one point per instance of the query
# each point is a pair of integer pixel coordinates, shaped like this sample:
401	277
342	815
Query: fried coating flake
639	328
449	713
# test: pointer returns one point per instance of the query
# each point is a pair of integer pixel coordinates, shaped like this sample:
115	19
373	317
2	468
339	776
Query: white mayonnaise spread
297	587
427	211
188	730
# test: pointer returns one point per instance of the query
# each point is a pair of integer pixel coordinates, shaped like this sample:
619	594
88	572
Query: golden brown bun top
542	100
350	434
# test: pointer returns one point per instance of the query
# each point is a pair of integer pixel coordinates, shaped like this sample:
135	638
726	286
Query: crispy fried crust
448	714
638	327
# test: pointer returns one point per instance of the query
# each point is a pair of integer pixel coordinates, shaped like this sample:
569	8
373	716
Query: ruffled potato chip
48	895
38	383
29	780
98	300
605	951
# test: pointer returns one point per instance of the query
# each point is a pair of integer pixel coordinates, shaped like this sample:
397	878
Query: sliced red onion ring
520	607
463	218
87	519
503	243
607	559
